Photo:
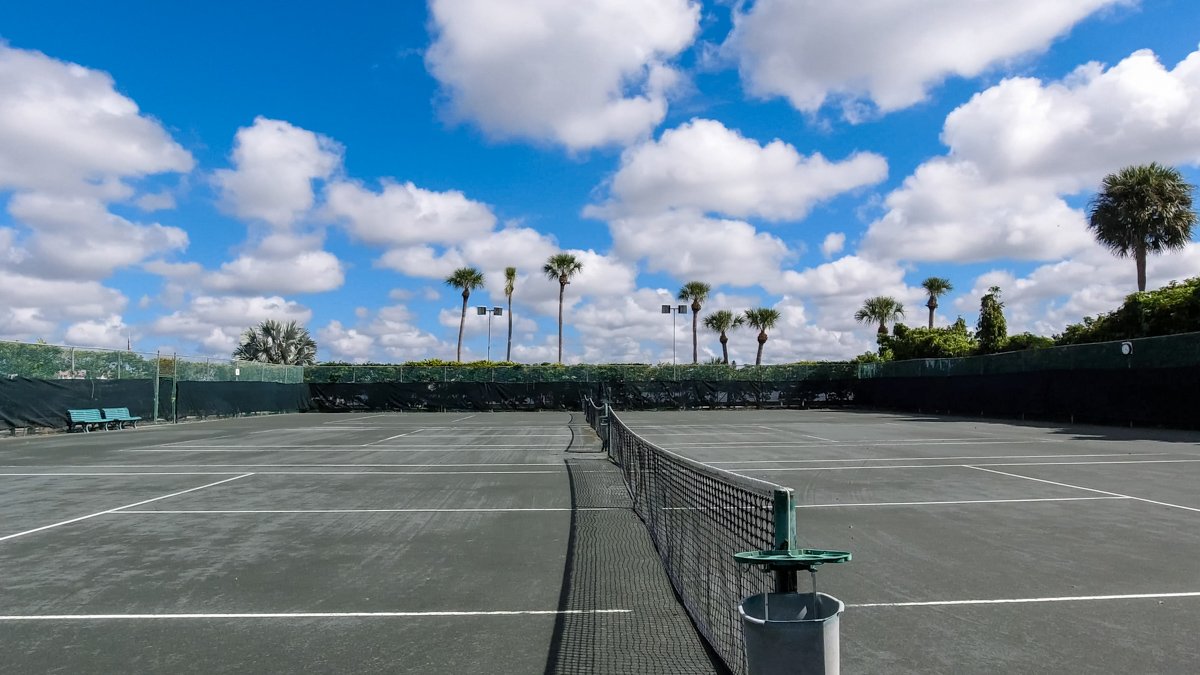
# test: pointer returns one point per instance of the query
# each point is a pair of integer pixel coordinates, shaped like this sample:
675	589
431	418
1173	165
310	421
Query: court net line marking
941	459
127	506
306	615
1020	601
1088	489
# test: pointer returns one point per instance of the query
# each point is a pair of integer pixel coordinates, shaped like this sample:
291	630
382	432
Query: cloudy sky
171	173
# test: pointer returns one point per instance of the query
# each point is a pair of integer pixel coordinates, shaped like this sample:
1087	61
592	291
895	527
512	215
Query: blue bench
120	417
86	419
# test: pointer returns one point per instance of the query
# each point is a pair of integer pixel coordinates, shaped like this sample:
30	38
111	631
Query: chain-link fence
1166	351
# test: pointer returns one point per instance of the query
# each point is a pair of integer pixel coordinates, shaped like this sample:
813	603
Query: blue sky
173	174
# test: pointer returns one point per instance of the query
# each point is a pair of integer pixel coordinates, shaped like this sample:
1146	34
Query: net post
784	512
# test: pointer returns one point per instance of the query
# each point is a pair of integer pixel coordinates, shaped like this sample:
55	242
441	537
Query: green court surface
502	542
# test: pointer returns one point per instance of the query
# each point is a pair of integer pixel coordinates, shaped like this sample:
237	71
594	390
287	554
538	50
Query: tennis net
698	517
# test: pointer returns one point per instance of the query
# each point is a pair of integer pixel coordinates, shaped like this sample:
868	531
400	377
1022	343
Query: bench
85	419
120	417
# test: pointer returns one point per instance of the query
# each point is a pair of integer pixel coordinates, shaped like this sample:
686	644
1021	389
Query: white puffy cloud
704	166
345	344
304	272
77	237
1018	148
66	129
275	164
836	289
582	74
402	214
110	332
833	244
216	322
34	307
884	51
687	245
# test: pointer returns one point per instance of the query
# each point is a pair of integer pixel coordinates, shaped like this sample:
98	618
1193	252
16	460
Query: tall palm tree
762	319
1142	209
561	267
881	309
722	321
936	287
274	342
510	284
697	292
467	279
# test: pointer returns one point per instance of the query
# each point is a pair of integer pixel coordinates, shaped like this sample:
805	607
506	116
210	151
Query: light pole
673	310
495	311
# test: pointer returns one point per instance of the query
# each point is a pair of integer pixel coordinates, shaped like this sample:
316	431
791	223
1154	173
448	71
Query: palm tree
510	283
763	319
561	267
697	292
467	279
722	321
936	287
1142	209
273	342
881	309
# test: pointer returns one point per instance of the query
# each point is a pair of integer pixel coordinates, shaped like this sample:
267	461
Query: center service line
127	506
1021	601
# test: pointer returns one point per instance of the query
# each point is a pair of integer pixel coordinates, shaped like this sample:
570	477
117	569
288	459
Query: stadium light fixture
495	311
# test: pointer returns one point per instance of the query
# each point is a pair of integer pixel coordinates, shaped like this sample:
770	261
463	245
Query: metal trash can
790	633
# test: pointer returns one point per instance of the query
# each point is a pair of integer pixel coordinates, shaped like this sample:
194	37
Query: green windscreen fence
1144	381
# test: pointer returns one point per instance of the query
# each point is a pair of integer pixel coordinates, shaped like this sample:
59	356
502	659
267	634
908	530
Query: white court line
276	465
1021	601
333	448
963	466
407	433
354	419
856	444
479	510
1087	489
461	419
290	473
943	503
127	506
941	459
305	615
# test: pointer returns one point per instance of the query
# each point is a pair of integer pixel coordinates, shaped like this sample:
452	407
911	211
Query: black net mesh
698	517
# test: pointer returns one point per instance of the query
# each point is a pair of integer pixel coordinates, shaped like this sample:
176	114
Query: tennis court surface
442	542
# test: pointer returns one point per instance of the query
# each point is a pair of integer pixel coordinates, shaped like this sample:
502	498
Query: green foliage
275	342
881	310
1023	341
928	343
1174	308
991	330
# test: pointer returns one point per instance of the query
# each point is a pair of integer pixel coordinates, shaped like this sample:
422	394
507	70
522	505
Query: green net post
157	376
785	535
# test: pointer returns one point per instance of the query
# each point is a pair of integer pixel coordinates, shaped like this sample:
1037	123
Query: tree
274	342
722	321
697	292
1142	209
929	343
762	319
881	309
991	330
935	287
561	267
510	284
467	279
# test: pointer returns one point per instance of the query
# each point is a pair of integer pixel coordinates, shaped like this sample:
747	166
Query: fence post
175	388
157	373
72	363
118	365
